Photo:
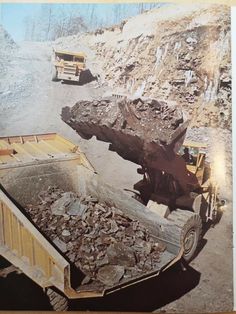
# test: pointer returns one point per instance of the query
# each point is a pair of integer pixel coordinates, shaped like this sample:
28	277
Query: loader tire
54	74
58	301
191	231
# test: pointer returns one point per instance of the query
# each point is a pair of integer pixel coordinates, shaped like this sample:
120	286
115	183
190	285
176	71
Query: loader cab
197	155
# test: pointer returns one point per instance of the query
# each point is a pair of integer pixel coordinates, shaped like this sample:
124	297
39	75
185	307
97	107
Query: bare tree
59	20
49	22
27	28
32	30
92	10
141	7
117	13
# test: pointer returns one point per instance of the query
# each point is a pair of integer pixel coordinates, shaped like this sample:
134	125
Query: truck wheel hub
189	241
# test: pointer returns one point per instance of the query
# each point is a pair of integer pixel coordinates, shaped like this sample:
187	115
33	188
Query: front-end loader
151	133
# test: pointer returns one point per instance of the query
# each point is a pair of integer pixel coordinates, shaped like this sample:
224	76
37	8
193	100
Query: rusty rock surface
145	131
132	126
110	274
121	254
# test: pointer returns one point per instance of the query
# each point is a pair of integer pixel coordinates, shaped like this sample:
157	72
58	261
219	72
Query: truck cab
67	65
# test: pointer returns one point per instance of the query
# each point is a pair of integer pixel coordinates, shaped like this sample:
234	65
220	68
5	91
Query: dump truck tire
57	301
191	231
54	74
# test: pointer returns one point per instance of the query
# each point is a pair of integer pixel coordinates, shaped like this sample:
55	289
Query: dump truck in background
67	65
32	164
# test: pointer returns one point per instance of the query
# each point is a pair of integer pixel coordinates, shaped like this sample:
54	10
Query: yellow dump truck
67	65
29	165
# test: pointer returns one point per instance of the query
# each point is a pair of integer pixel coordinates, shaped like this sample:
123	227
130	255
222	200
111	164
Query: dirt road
31	103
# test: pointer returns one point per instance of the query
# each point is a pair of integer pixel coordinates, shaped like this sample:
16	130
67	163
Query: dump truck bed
30	165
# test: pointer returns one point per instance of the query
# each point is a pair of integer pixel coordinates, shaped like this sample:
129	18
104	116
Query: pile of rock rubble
133	126
107	246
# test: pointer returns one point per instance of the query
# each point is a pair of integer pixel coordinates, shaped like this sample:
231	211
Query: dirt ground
33	104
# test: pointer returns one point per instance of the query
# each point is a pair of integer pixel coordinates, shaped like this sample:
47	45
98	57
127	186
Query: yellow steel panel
15	237
34	253
51	146
40	257
18	147
14	139
61	147
26	149
2	238
47	266
45	137
191	168
32	148
3	144
27	245
20	247
65	52
37	149
7	226
30	138
8	159
194	144
46	149
61	139
21	139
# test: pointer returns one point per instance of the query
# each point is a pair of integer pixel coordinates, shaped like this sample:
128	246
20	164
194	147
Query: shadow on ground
147	296
85	77
20	293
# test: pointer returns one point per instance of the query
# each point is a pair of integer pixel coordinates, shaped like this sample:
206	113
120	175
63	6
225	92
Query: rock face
177	52
106	245
186	58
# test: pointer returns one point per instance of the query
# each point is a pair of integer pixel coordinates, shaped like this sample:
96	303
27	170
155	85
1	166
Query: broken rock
65	233
60	205
102	236
76	208
102	262
120	254
86	280
60	244
110	274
